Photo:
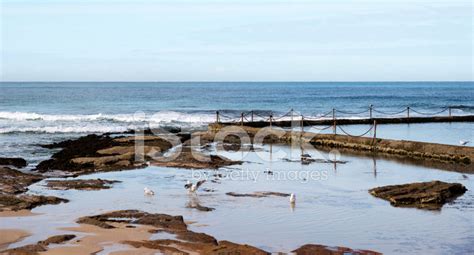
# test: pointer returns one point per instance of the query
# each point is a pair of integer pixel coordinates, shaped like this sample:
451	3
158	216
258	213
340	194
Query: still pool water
333	207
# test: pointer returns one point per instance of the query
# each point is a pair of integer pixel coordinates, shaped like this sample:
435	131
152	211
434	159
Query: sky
236	40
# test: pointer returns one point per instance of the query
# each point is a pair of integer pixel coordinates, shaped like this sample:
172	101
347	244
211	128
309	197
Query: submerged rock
258	194
22	202
93	184
14	182
310	249
423	195
199	207
135	217
308	160
16	162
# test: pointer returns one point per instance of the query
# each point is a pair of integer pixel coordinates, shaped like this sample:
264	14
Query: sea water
33	113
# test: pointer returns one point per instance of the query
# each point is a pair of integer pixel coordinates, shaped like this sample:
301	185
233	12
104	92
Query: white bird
292	198
463	142
193	187
148	191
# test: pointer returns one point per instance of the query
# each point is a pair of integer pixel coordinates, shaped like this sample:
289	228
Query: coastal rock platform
424	195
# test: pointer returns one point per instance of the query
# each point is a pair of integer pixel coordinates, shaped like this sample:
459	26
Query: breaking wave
29	122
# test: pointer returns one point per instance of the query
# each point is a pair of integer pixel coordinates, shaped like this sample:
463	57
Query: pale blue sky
240	40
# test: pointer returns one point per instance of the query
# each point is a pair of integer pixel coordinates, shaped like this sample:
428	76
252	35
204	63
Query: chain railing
306	120
363	134
253	116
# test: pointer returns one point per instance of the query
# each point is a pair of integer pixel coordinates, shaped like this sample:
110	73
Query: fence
335	118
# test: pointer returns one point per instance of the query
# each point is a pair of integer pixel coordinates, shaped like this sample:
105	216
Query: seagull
191	187
148	191
292	199
463	142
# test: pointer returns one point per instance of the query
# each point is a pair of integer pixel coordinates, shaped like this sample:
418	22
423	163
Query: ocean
32	113
334	211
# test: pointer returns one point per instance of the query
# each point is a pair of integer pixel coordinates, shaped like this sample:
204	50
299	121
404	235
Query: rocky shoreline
104	153
185	241
423	195
13	185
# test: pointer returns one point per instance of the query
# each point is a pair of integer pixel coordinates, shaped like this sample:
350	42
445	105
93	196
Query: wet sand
9	236
96	240
20	213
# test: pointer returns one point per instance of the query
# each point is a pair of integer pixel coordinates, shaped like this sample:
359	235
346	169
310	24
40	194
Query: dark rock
16	162
22	202
57	239
14	182
191	159
194	237
31	249
135	217
311	249
96	222
423	195
94	184
99	153
186	241
41	246
168	246
157	245
86	146
226	247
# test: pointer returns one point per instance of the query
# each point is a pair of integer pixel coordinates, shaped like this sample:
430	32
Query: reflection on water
333	206
444	133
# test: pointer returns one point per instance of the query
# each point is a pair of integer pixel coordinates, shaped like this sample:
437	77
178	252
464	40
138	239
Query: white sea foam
11	122
63	129
162	116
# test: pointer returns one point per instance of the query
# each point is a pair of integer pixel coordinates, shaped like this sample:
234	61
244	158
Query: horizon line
264	81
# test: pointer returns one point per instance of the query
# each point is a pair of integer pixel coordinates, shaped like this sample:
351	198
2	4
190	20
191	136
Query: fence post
334	127
408	112
241	118
271	117
449	110
252	116
217	117
370	110
291	115
333	114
